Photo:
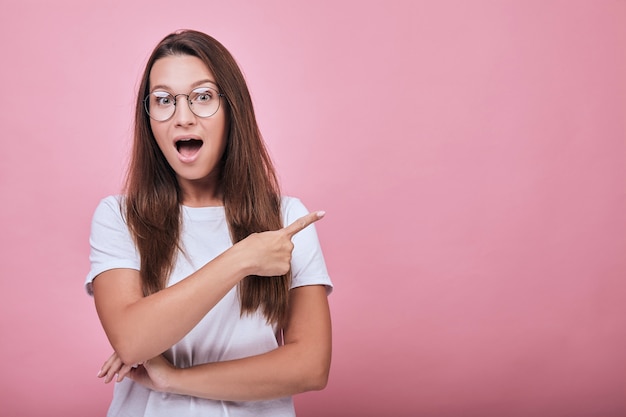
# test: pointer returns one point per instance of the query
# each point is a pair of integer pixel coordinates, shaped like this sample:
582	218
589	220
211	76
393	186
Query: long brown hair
247	180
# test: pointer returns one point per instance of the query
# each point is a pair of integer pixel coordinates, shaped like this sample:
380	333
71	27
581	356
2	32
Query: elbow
317	377
128	358
127	353
319	382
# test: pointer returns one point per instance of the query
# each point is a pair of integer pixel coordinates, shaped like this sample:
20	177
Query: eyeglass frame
175	97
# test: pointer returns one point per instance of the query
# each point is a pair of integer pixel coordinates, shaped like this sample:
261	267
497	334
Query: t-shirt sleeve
307	263
111	244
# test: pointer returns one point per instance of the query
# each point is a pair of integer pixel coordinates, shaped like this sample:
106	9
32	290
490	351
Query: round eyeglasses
203	102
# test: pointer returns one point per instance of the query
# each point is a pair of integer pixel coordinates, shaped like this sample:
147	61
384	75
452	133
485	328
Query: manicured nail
321	214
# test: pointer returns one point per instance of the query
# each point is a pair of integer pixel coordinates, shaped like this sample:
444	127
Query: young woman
210	285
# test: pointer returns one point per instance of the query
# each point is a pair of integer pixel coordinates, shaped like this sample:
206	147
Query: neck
205	192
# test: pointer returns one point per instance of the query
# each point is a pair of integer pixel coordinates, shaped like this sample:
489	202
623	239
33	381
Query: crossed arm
141	328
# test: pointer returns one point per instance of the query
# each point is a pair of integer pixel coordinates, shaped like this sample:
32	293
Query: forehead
179	73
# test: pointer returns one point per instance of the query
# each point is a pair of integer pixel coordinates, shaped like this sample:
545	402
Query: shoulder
114	200
109	214
111	243
108	225
111	205
292	209
307	264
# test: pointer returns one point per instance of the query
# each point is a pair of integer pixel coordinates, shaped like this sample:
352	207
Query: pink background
471	156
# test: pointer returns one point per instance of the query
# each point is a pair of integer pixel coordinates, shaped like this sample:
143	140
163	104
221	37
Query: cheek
158	132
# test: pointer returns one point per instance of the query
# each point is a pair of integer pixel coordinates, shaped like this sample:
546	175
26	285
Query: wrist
240	255
172	383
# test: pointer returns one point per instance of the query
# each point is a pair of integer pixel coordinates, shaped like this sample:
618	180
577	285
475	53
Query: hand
112	368
154	374
270	252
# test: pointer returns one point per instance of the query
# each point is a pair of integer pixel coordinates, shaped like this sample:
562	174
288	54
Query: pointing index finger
303	222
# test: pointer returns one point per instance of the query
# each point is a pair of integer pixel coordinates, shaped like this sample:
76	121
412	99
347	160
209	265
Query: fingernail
99	372
321	214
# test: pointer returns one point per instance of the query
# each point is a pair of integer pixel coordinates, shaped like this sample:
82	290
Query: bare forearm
282	372
151	325
302	364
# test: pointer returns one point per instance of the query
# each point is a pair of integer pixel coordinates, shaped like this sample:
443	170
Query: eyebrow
194	85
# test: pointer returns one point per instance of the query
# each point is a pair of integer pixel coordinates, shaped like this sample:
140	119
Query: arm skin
302	364
140	328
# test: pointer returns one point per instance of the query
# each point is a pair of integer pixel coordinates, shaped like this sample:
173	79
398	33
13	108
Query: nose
182	112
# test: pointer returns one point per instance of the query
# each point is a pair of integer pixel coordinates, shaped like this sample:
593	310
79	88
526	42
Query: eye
202	95
161	98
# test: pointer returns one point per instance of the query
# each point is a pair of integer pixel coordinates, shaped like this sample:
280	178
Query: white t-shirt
222	334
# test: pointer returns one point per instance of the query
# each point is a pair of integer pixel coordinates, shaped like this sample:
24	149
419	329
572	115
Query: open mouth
188	147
